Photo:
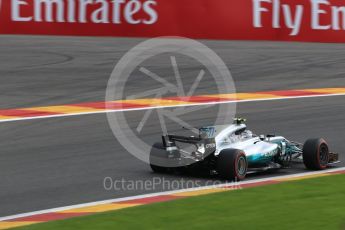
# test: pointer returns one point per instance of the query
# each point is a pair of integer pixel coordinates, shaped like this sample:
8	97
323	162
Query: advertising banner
282	20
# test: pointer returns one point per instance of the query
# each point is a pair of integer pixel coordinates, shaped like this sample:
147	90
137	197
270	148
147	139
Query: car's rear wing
204	144
169	139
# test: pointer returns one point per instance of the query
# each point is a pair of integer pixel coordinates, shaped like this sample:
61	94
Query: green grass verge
307	204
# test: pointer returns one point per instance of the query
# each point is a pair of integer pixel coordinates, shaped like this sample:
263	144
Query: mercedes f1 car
233	151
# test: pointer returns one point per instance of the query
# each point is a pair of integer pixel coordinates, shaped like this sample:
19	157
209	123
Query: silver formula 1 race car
233	151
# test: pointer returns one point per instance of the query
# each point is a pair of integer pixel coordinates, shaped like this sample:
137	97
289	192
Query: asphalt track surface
56	162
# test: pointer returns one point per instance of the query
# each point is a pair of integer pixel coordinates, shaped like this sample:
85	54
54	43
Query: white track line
168	106
238	184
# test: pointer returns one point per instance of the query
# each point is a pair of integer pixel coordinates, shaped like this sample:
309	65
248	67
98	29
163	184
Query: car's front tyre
316	154
232	164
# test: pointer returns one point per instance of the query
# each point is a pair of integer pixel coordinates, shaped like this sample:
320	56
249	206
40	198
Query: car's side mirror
262	137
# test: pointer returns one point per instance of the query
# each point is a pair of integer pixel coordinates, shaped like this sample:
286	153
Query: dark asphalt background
56	162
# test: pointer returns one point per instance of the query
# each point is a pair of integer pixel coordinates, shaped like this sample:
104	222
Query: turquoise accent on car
259	158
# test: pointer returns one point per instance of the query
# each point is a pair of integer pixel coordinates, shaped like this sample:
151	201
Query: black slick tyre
316	154
232	164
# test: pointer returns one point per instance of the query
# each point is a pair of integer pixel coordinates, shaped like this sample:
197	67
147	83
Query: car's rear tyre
316	154
157	155
232	164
